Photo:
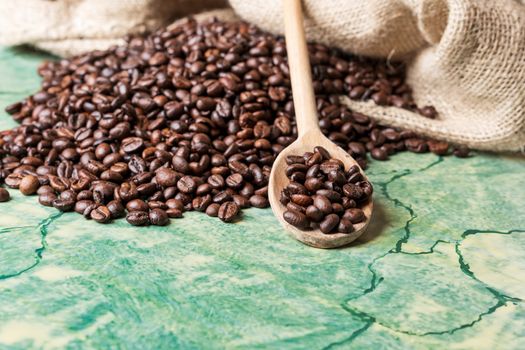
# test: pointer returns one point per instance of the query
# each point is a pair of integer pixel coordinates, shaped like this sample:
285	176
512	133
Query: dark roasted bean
259	201
137	205
138	218
345	226
355	215
314	214
116	209
29	185
158	217
101	214
329	223
296	218
63	204
213	209
4	195
228	211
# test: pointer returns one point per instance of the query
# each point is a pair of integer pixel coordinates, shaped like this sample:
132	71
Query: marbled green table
443	266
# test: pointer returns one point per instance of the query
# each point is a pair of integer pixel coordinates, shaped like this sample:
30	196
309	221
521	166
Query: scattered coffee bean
138	218
116	209
158	217
4	195
101	214
29	185
228	211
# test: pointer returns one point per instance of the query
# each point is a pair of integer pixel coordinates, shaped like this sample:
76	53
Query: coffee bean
138	218
328	224
228	211
81	205
438	147
213	209
29	185
166	177
158	217
461	152
137	205
259	201
355	215
46	199
301	199
314	214
116	209
186	184
323	204
4	195
379	154
296	218
345	226
101	214
64	205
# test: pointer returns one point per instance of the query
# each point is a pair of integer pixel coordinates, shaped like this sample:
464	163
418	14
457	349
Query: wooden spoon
309	134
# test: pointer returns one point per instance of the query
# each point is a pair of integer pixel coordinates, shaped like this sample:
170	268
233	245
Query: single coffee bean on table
334	203
192	118
4	195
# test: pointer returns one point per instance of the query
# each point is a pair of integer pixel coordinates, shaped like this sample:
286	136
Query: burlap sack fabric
69	27
465	57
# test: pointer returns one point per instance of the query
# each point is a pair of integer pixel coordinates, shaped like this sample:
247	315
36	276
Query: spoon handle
300	71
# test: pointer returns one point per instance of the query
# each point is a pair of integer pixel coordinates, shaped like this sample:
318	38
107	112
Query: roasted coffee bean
296	218
314	214
213	210
137	205
116	209
174	213
201	203
461	152
138	218
47	199
4	195
379	154
29	185
259	201
355	215
323	204
166	177
228	211
44	189
81	205
186	184
438	147
329	223
345	226
158	217
101	214
301	199
63	204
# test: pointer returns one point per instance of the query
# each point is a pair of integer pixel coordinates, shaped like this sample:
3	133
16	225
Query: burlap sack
465	57
69	27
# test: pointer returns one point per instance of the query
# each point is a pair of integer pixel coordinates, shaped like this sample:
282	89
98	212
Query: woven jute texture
70	27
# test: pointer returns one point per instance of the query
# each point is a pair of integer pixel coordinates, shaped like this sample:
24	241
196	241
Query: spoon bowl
279	180
309	134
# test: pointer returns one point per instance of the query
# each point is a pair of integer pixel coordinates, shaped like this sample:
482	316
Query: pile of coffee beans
322	194
189	118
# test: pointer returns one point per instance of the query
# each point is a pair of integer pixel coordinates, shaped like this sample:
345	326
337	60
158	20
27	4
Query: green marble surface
442	266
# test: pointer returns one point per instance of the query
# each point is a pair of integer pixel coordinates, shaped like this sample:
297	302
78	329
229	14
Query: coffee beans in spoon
322	194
